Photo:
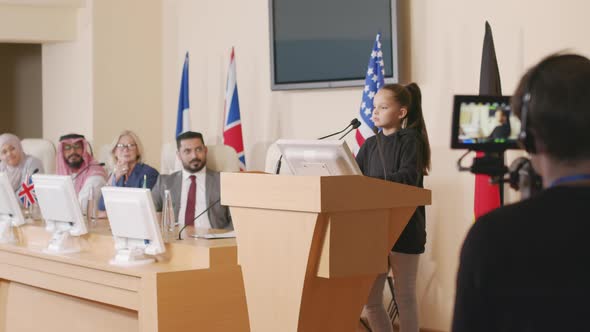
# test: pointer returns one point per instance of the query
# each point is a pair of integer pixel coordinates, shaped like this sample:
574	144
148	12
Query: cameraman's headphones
525	138
529	179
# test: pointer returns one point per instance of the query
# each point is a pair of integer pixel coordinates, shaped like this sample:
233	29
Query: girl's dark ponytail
415	119
410	96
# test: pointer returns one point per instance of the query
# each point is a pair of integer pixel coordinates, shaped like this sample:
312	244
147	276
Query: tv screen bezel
335	83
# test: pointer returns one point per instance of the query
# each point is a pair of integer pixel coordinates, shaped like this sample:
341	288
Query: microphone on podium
355	123
197	217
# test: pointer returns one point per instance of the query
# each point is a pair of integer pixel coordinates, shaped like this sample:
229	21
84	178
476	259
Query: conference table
196	285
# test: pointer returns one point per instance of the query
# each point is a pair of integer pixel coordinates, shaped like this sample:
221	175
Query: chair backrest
272	157
220	158
42	149
103	155
169	163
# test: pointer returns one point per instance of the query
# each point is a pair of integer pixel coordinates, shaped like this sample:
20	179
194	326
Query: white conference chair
169	162
220	158
42	149
103	155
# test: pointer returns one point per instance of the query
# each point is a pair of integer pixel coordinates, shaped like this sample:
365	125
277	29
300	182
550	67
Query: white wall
208	30
68	82
109	78
36	21
65	66
127	77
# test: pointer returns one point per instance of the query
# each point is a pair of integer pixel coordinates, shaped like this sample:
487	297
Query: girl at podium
399	152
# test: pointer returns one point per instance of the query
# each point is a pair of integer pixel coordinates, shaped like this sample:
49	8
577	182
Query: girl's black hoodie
400	152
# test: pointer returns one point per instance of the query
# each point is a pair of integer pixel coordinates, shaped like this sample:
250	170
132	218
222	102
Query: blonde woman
129	169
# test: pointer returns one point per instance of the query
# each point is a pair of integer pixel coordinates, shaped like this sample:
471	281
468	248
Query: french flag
182	119
232	129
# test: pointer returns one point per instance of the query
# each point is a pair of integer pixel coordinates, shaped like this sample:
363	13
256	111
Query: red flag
487	196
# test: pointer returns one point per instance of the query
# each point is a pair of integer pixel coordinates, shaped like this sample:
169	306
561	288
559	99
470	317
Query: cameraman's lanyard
571	178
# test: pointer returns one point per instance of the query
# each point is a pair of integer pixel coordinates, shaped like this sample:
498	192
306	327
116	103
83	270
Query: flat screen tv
327	43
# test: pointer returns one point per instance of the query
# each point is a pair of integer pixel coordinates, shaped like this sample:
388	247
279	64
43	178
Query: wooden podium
196	286
311	247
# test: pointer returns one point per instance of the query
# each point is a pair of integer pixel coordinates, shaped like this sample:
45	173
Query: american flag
232	129
373	81
26	192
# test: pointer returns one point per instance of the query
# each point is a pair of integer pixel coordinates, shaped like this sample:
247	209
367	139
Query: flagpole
232	124
485	196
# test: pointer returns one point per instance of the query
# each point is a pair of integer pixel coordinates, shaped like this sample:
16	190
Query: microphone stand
334	134
355	123
278	168
354	126
197	217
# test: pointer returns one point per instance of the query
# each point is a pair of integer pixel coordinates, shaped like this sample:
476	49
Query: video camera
487	124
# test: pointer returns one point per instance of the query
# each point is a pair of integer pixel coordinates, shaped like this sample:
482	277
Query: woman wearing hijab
14	162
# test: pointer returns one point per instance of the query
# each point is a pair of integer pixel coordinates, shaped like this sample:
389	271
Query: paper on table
226	235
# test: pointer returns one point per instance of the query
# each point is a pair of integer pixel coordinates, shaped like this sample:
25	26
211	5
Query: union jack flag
373	82
232	129
26	192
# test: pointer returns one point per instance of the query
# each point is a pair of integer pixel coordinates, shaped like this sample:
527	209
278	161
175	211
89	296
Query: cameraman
526	266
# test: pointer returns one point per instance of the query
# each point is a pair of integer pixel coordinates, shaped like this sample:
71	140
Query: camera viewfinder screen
484	121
